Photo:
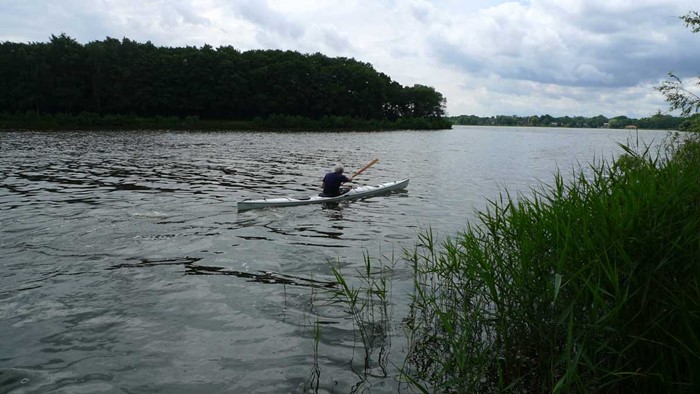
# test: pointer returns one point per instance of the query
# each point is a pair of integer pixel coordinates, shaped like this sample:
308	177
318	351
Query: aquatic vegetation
368	304
591	285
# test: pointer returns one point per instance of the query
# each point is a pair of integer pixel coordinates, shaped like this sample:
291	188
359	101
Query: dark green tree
423	101
597	121
124	77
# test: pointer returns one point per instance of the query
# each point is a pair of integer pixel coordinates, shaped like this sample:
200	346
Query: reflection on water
261	277
192	267
126	267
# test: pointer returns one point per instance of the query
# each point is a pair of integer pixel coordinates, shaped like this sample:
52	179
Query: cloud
584	43
494	96
269	21
180	13
331	38
422	11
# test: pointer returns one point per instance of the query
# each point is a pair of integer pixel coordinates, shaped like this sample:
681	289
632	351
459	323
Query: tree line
122	77
657	121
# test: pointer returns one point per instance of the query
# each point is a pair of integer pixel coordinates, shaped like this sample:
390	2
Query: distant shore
656	122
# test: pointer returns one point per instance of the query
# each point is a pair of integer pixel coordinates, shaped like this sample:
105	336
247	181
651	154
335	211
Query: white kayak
356	192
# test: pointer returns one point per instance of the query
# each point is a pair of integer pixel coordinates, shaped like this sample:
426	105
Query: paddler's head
338	169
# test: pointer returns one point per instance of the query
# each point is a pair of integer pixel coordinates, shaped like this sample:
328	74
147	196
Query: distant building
606	125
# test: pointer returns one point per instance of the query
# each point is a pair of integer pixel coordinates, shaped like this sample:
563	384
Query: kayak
356	192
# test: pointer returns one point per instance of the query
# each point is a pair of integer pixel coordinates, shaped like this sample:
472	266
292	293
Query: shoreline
276	123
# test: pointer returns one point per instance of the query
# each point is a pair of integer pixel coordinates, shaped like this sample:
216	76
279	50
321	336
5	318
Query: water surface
125	266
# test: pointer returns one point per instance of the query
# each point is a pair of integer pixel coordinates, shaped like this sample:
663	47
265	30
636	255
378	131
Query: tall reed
586	285
368	303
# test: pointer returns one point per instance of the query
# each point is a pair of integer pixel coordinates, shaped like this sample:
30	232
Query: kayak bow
357	192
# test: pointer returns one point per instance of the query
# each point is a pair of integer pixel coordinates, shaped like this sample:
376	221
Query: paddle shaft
361	170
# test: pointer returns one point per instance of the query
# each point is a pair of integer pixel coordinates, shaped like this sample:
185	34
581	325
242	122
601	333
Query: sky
487	57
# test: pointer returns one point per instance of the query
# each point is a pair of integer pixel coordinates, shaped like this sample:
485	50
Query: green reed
314	380
368	303
587	285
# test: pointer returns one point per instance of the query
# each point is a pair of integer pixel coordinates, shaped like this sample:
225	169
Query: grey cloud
606	50
401	53
95	20
335	40
186	13
36	21
14	24
421	11
175	17
258	12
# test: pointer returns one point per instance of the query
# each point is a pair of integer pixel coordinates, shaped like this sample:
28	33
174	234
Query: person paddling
332	181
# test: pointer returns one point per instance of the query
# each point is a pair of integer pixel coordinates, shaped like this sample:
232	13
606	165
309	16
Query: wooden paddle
361	170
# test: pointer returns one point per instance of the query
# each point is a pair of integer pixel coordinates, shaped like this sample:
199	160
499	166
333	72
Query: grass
587	285
590	285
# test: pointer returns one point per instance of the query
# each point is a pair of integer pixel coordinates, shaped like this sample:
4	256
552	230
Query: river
126	268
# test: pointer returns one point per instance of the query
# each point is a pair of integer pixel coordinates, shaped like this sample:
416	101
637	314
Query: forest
125	78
